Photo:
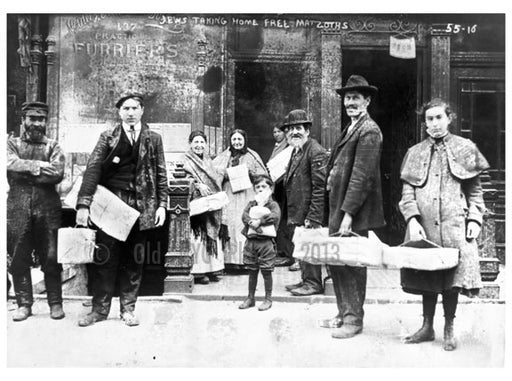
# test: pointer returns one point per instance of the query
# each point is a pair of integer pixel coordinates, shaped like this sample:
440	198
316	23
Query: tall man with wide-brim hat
129	161
304	183
35	165
354	194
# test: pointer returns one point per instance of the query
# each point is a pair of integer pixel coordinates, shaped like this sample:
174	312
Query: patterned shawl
206	225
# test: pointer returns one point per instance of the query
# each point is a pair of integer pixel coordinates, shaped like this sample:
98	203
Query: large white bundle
420	255
315	246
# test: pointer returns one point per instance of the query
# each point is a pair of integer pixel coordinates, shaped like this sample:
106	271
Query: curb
178	298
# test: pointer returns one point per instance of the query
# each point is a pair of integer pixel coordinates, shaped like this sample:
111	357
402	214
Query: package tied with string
420	255
317	247
76	245
258	212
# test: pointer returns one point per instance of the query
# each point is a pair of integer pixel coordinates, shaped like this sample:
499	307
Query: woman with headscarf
208	257
238	153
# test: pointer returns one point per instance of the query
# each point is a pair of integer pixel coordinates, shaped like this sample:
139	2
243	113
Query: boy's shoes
267	303
90	319
129	319
56	311
248	303
213	278
293	286
22	313
295	266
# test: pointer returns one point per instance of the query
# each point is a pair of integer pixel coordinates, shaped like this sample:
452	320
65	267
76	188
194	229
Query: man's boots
449	342
23	290
425	333
54	294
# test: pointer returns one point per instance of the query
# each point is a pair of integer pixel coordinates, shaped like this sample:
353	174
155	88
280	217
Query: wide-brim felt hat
357	83
127	96
295	117
35	108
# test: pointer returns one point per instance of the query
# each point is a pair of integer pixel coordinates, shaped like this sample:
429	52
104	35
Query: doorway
394	110
264	94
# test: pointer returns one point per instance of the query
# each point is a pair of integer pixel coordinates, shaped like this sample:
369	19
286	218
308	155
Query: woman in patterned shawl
208	258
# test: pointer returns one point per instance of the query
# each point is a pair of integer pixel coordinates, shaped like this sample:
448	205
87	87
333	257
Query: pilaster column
331	80
179	258
440	62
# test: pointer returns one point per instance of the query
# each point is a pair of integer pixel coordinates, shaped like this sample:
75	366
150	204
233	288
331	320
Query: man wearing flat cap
304	183
129	161
35	165
354	194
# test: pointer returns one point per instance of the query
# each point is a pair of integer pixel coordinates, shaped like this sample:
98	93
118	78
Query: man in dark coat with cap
354	194
304	183
35	164
129	161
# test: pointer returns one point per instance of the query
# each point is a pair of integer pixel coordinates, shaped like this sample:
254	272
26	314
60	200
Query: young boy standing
260	226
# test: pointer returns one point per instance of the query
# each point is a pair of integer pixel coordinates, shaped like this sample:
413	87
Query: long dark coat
33	204
354	183
151	176
304	182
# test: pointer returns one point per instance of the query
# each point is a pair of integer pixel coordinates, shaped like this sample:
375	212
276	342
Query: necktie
132	135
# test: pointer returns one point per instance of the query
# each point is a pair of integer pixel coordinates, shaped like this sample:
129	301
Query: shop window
482	117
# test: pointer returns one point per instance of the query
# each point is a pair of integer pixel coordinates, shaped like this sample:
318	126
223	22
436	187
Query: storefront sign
400	47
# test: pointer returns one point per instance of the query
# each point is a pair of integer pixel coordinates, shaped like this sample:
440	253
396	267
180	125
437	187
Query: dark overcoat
150	179
33	204
354	183
304	182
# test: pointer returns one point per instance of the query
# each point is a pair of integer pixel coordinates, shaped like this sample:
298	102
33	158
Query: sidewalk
197	333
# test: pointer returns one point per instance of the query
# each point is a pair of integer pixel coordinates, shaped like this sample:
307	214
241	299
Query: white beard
297	143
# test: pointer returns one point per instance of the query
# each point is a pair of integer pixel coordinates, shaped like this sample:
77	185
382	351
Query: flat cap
125	97
35	108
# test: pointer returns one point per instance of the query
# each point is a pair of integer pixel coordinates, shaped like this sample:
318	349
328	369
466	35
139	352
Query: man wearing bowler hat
35	165
129	161
354	194
304	183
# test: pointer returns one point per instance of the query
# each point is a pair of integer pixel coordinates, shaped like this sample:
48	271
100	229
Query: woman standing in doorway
208	256
442	202
237	154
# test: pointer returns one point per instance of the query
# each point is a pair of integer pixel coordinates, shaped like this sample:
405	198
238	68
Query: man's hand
82	216
472	230
311	224
346	225
416	231
160	216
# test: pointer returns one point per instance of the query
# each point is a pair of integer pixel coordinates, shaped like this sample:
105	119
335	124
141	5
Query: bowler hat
35	108
127	96
357	82
295	117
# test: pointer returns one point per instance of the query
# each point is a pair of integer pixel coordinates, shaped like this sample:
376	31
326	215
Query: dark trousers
34	230
349	285
311	274
121	261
